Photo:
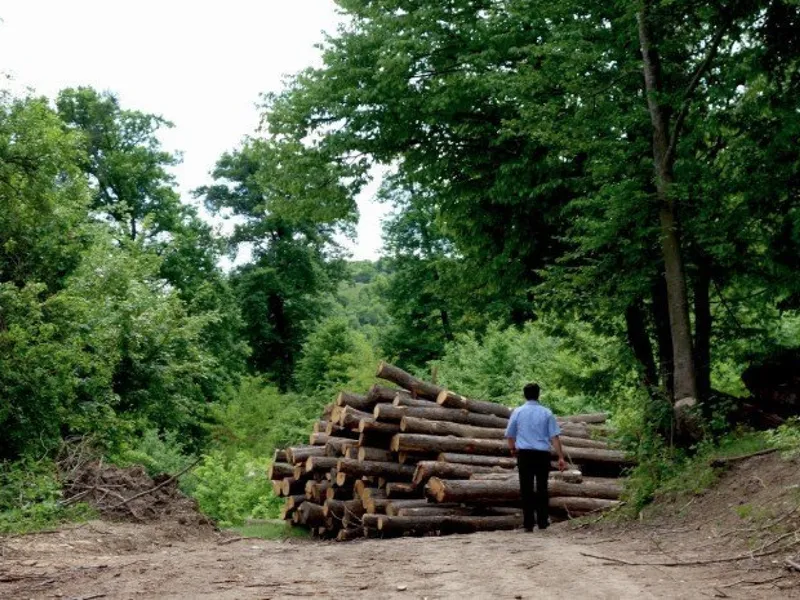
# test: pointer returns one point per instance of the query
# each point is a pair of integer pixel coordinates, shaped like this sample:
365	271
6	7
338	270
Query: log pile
414	459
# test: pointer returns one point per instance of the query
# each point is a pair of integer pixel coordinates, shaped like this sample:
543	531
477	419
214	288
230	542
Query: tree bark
311	515
397	526
355	400
397	489
298	454
375	468
387	412
291	486
685	393
417	425
402	399
478	459
374	454
372	424
663	335
408	381
280	471
472	491
450	399
433	468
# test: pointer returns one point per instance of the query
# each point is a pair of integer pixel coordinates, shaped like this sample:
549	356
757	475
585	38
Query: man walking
530	431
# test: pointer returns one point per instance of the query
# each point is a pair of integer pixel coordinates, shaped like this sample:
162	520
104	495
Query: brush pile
418	459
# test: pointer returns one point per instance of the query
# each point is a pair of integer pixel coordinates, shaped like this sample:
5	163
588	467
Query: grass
270	530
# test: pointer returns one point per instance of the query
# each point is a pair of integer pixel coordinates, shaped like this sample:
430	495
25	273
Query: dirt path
103	560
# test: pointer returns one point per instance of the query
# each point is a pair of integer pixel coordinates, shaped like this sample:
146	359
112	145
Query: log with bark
339	492
319	426
337	446
311	515
373	425
414	442
359	468
397	526
279	456
402	399
280	470
318	464
392	413
393	506
349	417
334	429
316	491
357	401
399	489
479	459
433	468
407	381
589	418
410	424
491	492
291	486
298	454
378	454
452	400
291	504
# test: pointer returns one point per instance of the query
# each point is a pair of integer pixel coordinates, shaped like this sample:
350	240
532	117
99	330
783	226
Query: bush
156	453
230	489
30	498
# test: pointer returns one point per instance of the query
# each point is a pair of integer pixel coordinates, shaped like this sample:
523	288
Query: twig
709	561
159	486
750	582
792	565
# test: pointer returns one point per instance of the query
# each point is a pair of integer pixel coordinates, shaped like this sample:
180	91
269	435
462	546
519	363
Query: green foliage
30	498
578	369
230	489
786	437
156	453
672	474
335	356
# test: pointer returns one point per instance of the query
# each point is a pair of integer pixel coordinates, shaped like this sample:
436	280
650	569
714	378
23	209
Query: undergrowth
30	498
665	473
272	530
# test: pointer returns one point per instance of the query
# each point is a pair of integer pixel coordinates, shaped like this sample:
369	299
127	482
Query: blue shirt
532	426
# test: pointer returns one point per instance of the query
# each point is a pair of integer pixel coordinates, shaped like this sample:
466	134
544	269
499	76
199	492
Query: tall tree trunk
702	329
639	342
685	392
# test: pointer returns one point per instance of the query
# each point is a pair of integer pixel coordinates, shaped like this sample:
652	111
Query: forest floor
753	511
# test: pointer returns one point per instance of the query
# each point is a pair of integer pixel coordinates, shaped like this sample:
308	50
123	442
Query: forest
603	197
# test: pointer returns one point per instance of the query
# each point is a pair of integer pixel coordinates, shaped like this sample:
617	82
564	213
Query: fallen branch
708	561
159	486
729	460
790	564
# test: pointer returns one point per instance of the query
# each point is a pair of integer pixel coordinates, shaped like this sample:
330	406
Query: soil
754	511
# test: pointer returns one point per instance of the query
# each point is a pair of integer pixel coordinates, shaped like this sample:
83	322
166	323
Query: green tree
290	203
129	169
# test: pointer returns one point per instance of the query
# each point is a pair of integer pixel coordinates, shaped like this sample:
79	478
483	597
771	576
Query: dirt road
104	560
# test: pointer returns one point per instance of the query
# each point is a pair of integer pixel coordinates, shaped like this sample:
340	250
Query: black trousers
534	466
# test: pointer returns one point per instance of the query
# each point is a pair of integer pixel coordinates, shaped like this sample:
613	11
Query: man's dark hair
531	391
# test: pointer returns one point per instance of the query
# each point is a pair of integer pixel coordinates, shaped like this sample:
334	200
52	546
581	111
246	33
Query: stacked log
417	459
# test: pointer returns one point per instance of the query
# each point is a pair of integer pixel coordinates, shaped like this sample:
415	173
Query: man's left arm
511	433
555	439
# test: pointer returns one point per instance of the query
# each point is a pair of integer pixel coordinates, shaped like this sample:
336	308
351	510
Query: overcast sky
201	64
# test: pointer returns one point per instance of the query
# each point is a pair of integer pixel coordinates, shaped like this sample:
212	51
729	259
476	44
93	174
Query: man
531	429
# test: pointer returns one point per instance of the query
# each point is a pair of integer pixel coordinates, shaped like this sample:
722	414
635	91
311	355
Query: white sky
200	64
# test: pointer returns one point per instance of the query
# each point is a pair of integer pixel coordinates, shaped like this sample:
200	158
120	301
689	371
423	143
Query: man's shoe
541	527
529	530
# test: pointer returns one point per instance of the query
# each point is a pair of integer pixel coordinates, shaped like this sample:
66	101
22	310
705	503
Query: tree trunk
417	425
408	381
472	491
375	468
371	424
355	400
291	486
433	468
298	454
450	399
397	489
639	341
398	526
388	412
685	393
311	515
374	454
280	471
478	459
401	399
